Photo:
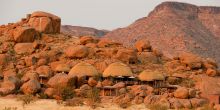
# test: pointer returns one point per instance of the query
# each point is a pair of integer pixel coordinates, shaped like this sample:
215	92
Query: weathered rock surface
45	22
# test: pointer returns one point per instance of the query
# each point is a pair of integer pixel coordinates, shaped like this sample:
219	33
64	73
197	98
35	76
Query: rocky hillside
82	31
174	27
36	59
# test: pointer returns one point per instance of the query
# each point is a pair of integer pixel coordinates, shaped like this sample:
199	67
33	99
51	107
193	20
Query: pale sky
101	14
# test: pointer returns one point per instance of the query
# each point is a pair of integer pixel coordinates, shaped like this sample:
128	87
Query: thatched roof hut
117	69
83	69
148	75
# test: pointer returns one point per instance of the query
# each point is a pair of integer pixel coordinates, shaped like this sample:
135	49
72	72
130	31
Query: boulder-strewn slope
82	31
176	27
36	59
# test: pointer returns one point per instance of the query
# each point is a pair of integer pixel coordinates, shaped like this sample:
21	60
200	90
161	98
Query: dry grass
26	99
157	107
93	97
124	104
10	108
74	102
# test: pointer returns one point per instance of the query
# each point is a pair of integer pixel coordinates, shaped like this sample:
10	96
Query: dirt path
47	104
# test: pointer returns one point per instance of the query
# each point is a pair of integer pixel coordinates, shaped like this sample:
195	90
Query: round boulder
79	51
181	93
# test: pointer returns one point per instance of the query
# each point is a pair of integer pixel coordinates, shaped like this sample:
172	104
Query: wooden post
103	91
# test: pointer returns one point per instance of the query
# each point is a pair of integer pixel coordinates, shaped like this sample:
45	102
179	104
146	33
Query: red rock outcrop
45	22
25	34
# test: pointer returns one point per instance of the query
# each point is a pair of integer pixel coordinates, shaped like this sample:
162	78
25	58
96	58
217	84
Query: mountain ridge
180	27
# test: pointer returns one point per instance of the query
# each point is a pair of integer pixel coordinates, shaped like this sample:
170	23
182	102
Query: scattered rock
4	59
147	57
62	68
198	102
23	48
31	87
191	60
138	100
127	55
9	85
77	51
192	93
44	71
119	85
50	92
30	76
62	80
211	72
30	60
143	45
181	93
92	82
107	83
87	39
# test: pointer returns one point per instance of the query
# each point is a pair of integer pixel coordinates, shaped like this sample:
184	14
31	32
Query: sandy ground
47	104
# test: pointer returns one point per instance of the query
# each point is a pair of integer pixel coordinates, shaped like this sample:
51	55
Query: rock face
9	85
31	87
127	55
3	59
191	60
25	34
77	51
173	28
45	71
24	48
63	80
142	45
45	22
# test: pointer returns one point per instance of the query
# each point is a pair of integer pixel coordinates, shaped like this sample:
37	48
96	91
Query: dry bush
10	108
64	92
157	107
93	94
26	99
189	83
93	97
206	107
124	104
74	102
42	96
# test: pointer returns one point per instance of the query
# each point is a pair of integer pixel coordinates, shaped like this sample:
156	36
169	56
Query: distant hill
174	27
82	31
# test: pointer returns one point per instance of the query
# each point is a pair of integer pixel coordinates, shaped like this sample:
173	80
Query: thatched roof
148	75
83	69
117	69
